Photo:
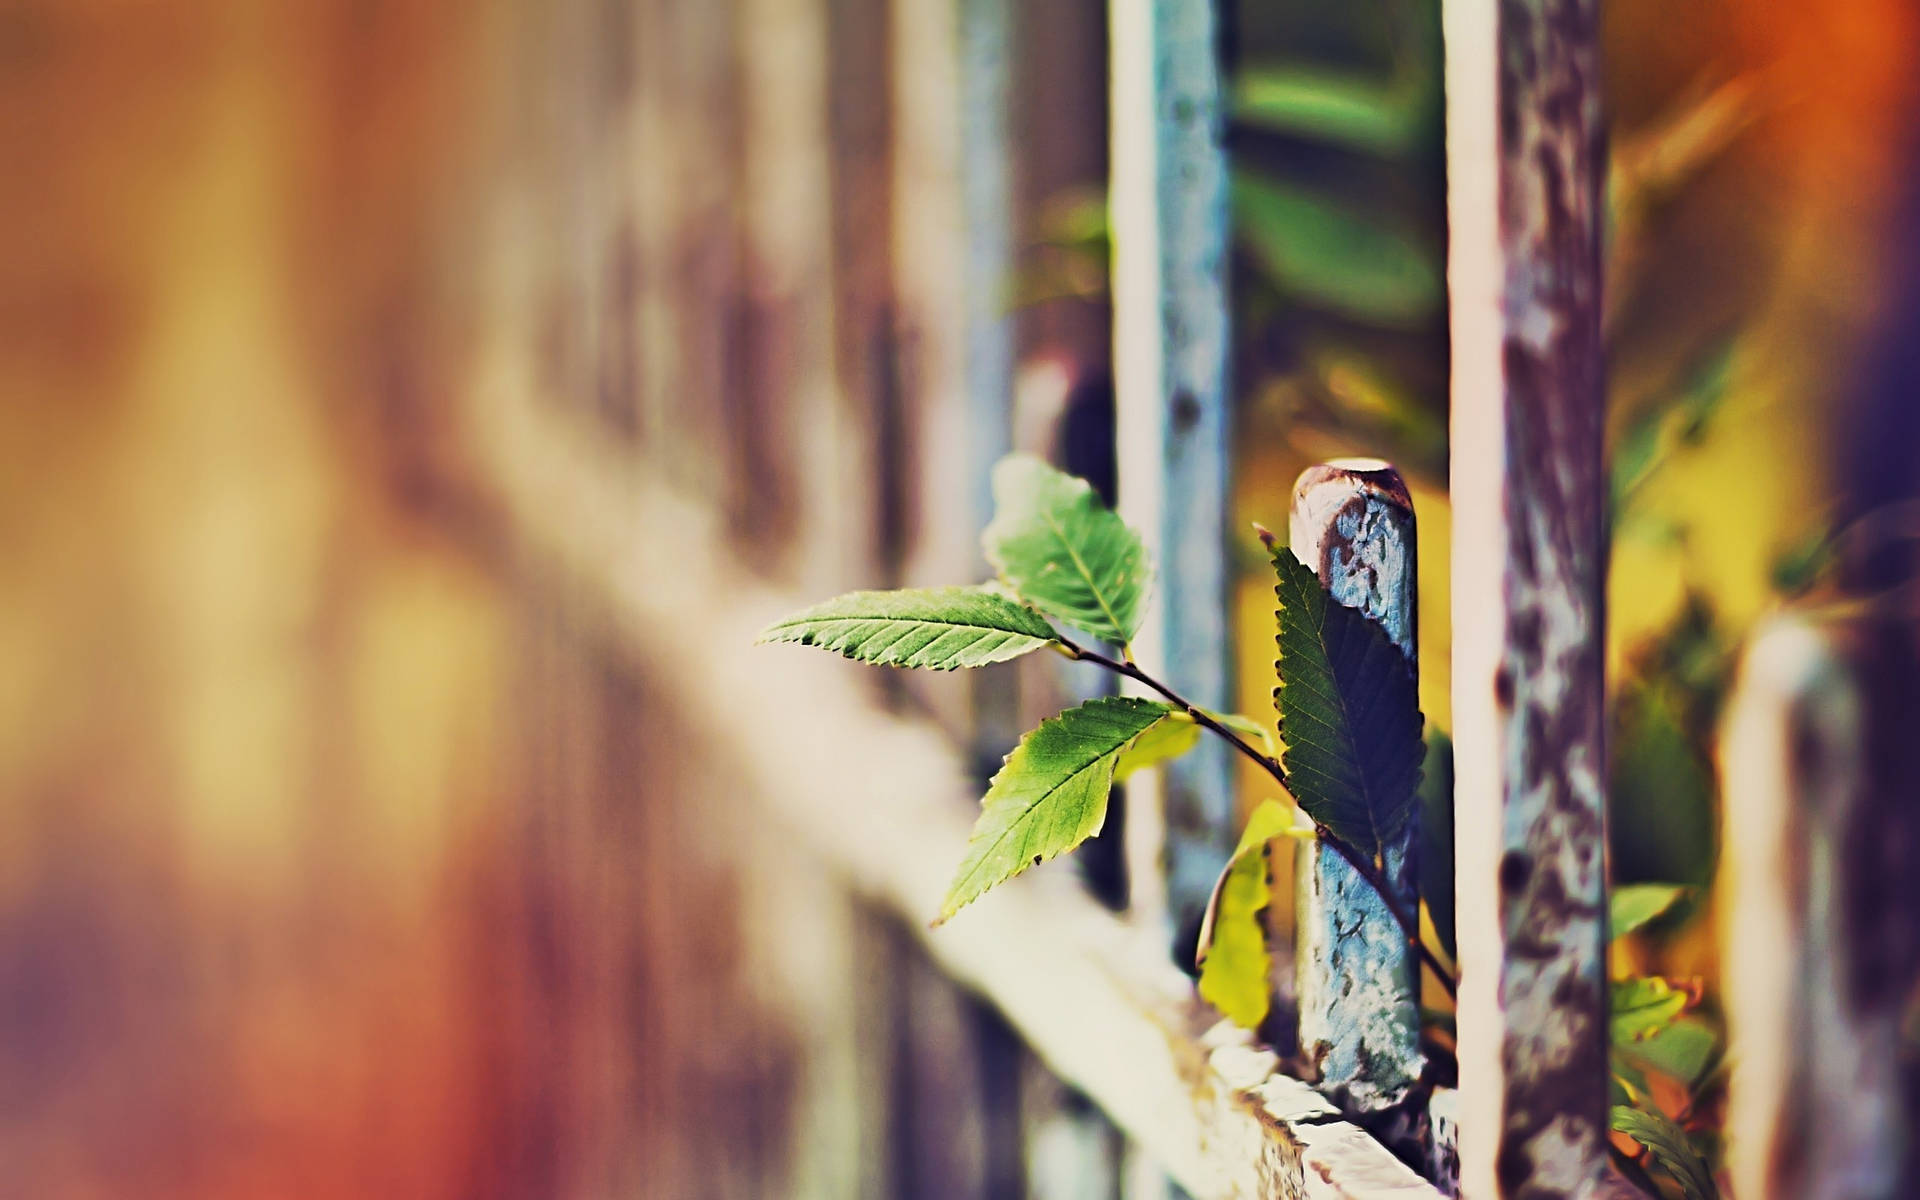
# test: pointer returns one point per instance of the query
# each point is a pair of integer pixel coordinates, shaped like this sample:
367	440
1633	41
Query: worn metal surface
1525	163
1170	227
1359	982
1818	932
986	48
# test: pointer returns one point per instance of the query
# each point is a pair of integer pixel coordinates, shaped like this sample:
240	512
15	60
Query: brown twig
1363	866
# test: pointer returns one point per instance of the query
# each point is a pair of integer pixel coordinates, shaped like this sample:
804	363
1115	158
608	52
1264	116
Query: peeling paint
1359	983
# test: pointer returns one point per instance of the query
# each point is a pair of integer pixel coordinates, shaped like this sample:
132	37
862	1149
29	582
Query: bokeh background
349	846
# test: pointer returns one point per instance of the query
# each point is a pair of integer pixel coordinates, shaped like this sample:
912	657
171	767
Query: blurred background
362	363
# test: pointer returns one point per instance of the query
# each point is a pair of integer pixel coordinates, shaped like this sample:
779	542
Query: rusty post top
1373	476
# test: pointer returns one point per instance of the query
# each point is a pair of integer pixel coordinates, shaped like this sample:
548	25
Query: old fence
843	435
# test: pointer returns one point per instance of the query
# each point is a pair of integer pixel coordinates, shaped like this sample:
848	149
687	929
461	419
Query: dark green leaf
1436	837
1660	805
1052	793
1063	551
1320	251
1671	1148
1234	963
1349	714
941	628
1633	905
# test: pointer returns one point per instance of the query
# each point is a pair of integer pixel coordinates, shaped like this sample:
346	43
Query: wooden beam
1525	164
1358	979
1094	996
1171	346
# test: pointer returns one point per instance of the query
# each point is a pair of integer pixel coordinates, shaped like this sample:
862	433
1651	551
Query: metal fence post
1817	908
1359	981
1170	225
1525	161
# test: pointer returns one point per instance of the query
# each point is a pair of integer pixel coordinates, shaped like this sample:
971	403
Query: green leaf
1436	837
1383	115
1063	551
1660	796
1256	732
1671	1148
1051	794
1349	714
1167	738
1682	1051
1643	1007
941	628
1233	958
1635	904
1319	250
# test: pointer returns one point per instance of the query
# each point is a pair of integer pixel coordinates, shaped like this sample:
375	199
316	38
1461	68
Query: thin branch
1131	671
1409	922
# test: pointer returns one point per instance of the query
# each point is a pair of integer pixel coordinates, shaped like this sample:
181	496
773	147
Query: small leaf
1168	738
1349	714
1635	904
1052	793
1682	1051
1321	250
1256	732
1643	1007
1233	959
1063	551
1671	1148
1436	837
941	628
1381	115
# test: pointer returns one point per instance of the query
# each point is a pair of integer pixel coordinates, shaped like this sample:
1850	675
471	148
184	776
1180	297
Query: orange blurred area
345	854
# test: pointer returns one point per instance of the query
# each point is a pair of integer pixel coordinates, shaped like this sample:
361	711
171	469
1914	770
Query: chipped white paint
1358	980
1815	1106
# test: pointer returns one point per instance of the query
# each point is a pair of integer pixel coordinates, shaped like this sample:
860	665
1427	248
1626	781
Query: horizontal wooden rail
884	803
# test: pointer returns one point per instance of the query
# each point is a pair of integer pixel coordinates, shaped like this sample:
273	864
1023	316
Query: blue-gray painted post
1171	347
1359	980
986	187
985	42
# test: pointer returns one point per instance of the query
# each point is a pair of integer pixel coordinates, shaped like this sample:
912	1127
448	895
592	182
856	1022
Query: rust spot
1186	411
1513	1168
1515	870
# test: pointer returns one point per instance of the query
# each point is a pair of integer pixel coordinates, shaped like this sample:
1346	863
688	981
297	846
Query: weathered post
1525	161
1817	904
1359	980
1169	216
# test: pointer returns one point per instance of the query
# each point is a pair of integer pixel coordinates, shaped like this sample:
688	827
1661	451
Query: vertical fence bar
985	43
1817	913
1525	163
1170	224
986	78
1359	980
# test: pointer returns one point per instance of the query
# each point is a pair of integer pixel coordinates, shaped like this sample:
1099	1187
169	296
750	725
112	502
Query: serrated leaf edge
948	909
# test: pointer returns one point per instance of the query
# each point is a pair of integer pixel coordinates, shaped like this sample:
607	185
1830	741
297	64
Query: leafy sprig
1347	708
